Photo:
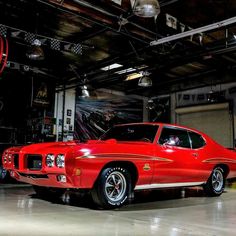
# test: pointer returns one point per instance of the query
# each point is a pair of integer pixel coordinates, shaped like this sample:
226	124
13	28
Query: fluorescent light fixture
112	66
133	76
125	71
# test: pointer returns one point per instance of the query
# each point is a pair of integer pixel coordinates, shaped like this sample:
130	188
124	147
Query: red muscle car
126	158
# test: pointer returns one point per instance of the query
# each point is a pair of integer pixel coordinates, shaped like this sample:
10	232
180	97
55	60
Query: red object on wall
3	53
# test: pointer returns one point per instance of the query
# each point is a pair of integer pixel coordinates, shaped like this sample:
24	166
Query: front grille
34	176
34	162
16	161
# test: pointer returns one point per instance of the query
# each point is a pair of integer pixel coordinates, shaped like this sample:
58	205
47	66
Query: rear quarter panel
215	154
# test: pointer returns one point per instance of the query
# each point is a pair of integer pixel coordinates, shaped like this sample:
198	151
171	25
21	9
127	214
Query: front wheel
216	183
112	188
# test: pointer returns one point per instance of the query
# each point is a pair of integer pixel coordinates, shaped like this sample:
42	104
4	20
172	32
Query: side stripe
124	156
217	160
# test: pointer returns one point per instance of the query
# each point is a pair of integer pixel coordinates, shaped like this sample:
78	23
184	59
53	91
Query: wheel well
125	164
225	168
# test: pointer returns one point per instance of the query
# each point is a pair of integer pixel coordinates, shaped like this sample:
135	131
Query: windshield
142	133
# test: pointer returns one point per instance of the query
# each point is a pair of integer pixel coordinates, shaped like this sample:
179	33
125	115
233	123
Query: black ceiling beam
117	18
210	79
183	57
88	34
105	25
110	79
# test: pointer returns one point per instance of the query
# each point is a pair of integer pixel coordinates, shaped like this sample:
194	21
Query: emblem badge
146	167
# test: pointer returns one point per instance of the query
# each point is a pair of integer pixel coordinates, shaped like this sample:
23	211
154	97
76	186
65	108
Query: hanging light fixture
146	8
35	52
84	91
145	80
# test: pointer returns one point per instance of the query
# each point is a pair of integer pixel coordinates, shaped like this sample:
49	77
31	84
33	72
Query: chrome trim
125	156
168	185
219	159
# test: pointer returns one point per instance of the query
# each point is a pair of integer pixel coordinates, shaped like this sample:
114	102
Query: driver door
175	162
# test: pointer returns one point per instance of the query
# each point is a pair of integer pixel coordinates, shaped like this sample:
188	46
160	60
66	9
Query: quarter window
174	137
197	140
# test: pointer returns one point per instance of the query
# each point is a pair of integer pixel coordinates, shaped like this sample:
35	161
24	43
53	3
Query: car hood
47	147
110	148
92	147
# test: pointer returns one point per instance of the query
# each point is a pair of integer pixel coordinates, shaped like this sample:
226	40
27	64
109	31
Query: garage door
214	120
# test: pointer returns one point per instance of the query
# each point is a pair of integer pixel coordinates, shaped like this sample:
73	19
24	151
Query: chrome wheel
112	188
217	180
115	186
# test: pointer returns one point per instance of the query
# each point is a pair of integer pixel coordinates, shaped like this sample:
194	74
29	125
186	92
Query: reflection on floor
169	212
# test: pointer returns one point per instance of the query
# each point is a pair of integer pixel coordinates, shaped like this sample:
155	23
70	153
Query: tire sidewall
102	192
215	192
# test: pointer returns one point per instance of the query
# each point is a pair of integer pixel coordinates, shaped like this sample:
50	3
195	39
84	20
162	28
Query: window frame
157	126
205	143
175	128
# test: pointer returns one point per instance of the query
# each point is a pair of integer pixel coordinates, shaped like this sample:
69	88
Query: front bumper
47	180
32	169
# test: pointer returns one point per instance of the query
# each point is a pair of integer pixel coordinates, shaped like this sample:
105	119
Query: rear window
196	140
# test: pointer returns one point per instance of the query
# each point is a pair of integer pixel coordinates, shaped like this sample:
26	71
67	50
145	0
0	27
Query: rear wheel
216	183
112	188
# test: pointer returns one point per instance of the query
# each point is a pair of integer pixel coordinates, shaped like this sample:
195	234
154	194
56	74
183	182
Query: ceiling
81	37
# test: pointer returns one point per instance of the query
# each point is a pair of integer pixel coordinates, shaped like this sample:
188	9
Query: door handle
195	154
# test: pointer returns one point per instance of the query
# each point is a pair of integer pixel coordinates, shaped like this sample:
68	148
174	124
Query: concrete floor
152	213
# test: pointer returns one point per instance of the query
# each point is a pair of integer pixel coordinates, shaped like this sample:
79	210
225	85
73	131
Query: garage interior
74	68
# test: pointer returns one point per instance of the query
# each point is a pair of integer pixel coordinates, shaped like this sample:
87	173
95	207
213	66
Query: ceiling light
133	76
125	71
84	92
150	105
145	81
35	52
146	8
112	66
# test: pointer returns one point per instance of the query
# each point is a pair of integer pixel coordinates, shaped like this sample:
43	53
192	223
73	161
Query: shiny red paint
156	165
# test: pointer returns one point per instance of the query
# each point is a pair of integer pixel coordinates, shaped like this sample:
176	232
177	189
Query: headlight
50	160
9	158
5	158
60	160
